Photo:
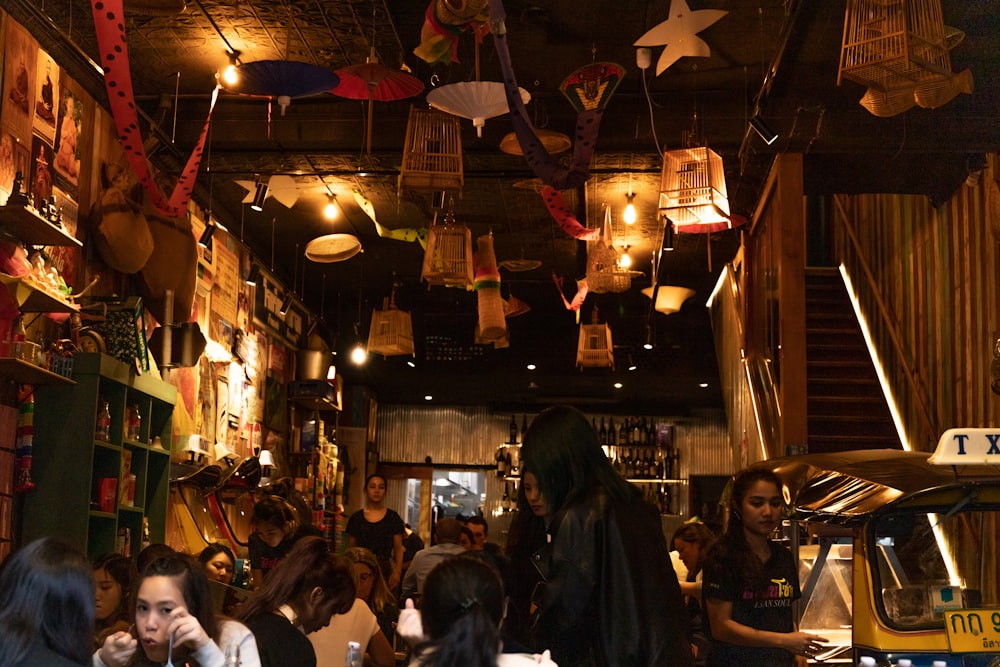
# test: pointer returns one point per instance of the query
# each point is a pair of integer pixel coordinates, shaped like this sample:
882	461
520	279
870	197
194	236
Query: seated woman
276	527
176	622
461	612
371	587
114	575
46	605
298	597
692	542
219	562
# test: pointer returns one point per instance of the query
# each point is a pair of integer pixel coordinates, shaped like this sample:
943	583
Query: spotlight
253	275
259	195
629	215
230	76
668	234
766	133
206	236
285	305
359	355
631	362
330	212
648	345
625	260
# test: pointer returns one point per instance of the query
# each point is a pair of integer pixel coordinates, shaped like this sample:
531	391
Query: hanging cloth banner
588	121
109	23
562	215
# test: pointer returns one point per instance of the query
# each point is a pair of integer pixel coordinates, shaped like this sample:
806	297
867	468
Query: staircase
846	407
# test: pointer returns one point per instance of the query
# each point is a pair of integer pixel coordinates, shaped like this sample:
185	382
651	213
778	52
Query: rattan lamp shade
432	152
594	348
448	258
693	187
391	332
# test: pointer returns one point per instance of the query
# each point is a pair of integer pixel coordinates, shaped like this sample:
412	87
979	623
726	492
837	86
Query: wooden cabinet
71	467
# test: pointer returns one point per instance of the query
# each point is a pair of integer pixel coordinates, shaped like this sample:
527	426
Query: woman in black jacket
607	594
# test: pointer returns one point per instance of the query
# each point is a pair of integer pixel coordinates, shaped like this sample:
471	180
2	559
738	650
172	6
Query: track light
230	75
631	362
259	195
766	133
629	215
648	345
253	275
206	236
330	212
285	305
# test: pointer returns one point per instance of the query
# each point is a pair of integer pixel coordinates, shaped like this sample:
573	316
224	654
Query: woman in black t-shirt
276	529
749	583
379	529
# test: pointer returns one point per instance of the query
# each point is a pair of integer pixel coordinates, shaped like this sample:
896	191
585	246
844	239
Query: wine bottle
513	431
501	462
505	500
612	434
602	433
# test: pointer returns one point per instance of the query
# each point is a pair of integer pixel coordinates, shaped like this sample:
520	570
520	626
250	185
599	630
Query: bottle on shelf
505	499
501	462
602	433
102	431
513	431
134	423
612	434
623	433
675	464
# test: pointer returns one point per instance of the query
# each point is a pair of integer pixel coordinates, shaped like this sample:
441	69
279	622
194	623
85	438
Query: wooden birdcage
432	153
604	270
594	348
391	332
890	44
448	258
693	187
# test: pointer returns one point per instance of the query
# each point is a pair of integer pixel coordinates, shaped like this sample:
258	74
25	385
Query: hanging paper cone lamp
475	100
669	298
284	80
373	81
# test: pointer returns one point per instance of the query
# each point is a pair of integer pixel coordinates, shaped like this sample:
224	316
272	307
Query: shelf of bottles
642	450
508	462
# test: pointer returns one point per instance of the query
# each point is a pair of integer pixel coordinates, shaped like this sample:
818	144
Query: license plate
973	630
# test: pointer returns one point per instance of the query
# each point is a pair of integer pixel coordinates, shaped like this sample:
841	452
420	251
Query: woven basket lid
554	142
333	248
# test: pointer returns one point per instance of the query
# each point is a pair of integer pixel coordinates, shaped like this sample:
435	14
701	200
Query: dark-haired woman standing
607	594
749	583
380	530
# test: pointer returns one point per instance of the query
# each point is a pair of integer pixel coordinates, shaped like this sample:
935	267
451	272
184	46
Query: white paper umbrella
475	100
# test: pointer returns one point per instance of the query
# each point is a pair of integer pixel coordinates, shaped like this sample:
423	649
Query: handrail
883	313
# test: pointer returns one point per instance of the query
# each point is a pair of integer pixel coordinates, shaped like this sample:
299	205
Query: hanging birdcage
448	258
693	187
892	44
432	153
594	348
391	332
604	270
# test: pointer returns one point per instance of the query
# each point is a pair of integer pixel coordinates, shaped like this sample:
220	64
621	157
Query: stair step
830	443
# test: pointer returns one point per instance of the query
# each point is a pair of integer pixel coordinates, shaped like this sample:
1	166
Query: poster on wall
67	161
46	96
14	157
20	52
40	181
226	290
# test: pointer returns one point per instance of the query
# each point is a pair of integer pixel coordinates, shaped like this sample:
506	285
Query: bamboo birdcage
432	153
604	270
693	187
448	258
594	348
890	44
391	332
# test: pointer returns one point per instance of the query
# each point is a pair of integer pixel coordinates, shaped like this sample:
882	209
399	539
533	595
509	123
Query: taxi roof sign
967	446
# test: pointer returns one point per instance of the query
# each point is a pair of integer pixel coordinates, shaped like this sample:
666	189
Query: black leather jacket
610	596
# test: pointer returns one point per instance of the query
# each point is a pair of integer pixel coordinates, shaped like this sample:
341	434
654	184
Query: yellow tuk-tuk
900	551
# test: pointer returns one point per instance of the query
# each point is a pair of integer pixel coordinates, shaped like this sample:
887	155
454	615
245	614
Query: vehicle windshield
930	562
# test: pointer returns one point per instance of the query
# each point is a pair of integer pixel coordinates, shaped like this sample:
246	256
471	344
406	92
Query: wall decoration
46	96
67	161
21	52
13	159
678	35
40	178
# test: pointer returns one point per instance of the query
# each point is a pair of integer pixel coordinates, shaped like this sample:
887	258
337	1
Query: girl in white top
175	622
459	621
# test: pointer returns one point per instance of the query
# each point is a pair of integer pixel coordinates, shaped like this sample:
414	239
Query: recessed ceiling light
618	385
411	364
703	385
531	367
428	397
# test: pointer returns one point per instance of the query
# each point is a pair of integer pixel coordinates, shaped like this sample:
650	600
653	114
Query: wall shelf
32	229
30	298
23	372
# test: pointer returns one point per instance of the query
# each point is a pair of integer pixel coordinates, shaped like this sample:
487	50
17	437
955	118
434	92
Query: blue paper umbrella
285	80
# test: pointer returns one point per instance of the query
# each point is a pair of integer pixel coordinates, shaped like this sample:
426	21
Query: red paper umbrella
373	81
284	79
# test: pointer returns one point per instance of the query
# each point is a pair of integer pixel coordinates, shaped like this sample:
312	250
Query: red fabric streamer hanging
109	23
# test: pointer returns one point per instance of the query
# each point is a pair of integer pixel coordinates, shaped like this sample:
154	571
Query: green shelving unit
69	464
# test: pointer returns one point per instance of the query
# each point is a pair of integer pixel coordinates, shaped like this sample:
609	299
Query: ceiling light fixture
230	75
285	304
631	362
629	216
330	211
648	345
359	355
206	236
259	195
618	385
625	260
254	274
668	235
761	128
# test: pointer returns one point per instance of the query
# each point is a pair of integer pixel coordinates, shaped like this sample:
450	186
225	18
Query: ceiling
774	58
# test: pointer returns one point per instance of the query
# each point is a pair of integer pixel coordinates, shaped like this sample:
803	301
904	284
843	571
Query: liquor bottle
513	431
103	430
635	431
501	462
134	423
623	433
514	462
505	499
602	433
650	465
612	434
675	464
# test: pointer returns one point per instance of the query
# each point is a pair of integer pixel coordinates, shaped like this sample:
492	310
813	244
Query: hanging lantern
594	348
492	323
693	187
432	153
604	270
391	332
448	257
